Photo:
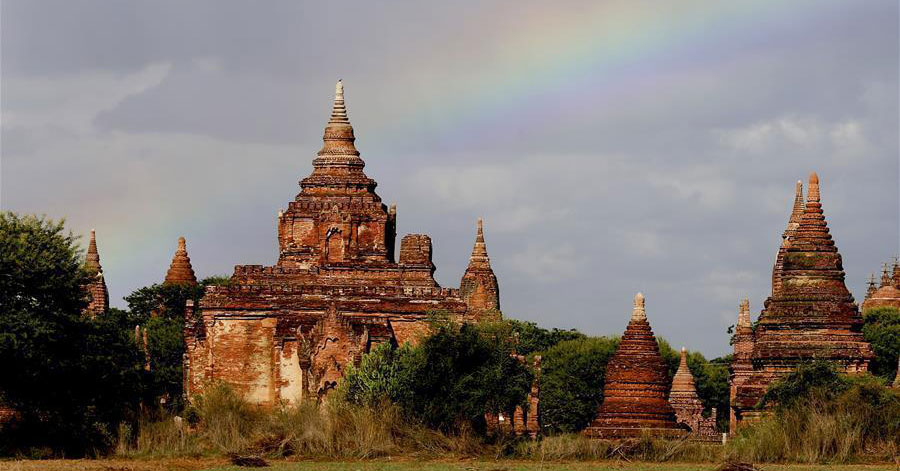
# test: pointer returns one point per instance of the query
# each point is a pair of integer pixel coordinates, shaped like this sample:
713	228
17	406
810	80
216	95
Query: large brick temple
809	315
288	331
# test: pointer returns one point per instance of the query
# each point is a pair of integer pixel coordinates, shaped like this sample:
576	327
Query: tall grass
225	424
862	424
570	447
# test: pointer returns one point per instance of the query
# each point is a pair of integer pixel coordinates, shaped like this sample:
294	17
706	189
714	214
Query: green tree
882	331
159	309
70	379
572	373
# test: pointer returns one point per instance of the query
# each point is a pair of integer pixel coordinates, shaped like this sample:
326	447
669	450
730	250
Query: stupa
687	404
810	315
181	271
634	394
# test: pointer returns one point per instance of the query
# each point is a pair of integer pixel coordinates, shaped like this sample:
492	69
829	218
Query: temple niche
634	393
809	315
286	332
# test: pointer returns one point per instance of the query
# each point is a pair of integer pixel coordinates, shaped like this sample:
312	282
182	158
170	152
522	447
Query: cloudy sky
611	147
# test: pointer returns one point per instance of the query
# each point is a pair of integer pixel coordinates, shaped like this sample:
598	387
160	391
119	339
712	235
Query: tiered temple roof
339	288
810	315
96	288
634	393
181	271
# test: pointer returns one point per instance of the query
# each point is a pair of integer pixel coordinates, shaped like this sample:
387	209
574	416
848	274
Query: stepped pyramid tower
339	288
180	270
96	288
810	314
634	393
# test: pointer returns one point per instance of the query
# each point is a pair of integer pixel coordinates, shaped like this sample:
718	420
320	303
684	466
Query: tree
160	309
71	380
572	373
882	331
450	380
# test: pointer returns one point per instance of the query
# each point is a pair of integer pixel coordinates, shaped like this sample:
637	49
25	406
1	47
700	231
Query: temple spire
98	295
638	312
796	211
896	276
479	251
744	313
92	260
181	271
339	109
886	276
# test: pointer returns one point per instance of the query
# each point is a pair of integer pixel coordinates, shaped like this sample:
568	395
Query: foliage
159	309
824	417
819	377
71	380
882	331
529	338
567	447
572	382
383	374
456	375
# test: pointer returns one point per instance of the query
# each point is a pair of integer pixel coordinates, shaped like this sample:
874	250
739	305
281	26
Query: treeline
81	386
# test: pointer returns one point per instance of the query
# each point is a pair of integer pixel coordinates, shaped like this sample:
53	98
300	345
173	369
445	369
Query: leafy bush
455	376
882	331
572	382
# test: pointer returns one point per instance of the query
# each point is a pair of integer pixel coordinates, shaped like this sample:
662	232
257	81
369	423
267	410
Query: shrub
882	331
572	382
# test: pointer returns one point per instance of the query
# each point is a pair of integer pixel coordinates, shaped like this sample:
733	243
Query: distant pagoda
810	314
634	394
96	288
181	271
887	294
687	404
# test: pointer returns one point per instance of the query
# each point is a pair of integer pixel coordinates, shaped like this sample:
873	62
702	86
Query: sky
611	146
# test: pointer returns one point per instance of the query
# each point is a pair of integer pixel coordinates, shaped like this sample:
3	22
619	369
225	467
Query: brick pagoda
888	293
687	404
180	270
810	314
96	289
634	394
288	331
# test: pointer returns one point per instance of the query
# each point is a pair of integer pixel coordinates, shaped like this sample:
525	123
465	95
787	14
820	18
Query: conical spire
92	260
797	210
638	312
98	295
896	276
872	286
683	382
744	313
790	230
479	258
338	168
886	278
180	271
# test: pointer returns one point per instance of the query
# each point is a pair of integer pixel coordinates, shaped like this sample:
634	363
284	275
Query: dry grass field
219	464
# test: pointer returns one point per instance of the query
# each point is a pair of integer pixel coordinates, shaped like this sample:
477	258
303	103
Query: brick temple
687	404
887	294
288	331
809	315
637	381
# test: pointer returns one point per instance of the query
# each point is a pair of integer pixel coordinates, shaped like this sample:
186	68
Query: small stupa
634	395
180	271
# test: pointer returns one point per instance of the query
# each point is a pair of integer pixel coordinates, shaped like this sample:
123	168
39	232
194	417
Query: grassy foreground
188	464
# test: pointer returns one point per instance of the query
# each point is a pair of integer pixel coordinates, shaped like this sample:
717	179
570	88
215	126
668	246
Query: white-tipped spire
339	109
639	312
